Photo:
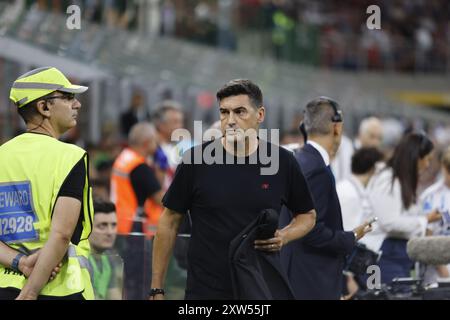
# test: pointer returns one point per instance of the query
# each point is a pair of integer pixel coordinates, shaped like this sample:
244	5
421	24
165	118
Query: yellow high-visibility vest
33	169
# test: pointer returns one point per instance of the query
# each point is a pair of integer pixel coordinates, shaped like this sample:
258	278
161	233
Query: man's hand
27	296
26	265
271	245
434	216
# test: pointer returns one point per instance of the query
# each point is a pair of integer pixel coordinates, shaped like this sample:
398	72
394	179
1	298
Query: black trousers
12	293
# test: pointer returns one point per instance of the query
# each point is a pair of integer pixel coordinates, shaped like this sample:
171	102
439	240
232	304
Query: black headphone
337	117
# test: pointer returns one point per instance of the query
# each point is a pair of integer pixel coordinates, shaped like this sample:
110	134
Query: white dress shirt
322	151
393	219
342	162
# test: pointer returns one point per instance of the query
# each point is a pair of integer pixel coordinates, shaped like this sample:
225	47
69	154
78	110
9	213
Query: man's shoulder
66	150
310	159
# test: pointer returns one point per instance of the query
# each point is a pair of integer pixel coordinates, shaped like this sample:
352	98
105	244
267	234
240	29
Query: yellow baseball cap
40	82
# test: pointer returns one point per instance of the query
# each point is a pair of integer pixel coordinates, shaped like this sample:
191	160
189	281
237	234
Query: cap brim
74	89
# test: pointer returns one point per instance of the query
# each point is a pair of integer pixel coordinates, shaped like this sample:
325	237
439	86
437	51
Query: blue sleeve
321	236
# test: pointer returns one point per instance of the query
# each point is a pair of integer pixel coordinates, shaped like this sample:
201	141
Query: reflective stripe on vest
83	261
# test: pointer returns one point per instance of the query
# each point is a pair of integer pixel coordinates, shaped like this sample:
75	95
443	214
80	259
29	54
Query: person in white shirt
394	202
437	198
353	193
354	199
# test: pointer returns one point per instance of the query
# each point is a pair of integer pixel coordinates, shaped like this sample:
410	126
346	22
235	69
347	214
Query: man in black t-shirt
225	189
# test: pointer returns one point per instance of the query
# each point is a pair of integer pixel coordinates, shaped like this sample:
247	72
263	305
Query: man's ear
337	128
42	107
261	114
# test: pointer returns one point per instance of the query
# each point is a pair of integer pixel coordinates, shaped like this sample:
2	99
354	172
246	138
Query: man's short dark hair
103	206
30	110
364	160
318	118
241	86
168	105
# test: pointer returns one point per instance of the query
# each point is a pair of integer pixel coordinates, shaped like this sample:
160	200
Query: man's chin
234	139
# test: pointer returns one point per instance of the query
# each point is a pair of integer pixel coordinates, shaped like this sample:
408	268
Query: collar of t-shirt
322	151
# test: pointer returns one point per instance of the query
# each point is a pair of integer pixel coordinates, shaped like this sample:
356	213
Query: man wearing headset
315	262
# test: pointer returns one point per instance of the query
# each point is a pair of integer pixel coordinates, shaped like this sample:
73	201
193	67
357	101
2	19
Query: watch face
155	291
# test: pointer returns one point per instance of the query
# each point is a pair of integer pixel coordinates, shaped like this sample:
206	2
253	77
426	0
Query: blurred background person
136	112
394	201
167	118
436	198
106	266
355	203
370	134
137	194
353	193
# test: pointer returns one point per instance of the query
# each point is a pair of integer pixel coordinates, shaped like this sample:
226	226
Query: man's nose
231	119
76	104
110	230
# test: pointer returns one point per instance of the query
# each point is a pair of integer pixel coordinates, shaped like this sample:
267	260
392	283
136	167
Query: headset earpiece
302	129
337	117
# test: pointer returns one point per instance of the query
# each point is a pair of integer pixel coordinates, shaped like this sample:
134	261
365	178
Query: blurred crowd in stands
414	35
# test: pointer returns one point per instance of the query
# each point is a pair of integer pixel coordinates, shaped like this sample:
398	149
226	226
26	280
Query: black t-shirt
223	199
144	182
73	187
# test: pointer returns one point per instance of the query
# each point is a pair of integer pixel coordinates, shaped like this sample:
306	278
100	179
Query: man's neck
139	151
42	127
163	139
244	149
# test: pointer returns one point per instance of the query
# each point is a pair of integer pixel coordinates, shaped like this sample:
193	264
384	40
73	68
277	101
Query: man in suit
315	263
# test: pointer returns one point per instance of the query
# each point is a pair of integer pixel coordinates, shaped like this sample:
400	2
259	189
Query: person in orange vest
137	194
135	188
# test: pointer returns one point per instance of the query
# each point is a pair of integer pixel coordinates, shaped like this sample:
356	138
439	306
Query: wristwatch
15	262
154	291
356	235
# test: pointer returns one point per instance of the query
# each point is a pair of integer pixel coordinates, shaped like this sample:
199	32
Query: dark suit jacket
315	263
255	274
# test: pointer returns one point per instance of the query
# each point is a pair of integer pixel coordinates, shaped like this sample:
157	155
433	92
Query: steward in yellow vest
45	198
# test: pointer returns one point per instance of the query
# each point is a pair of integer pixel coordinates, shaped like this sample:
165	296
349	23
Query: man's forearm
162	249
51	254
300	226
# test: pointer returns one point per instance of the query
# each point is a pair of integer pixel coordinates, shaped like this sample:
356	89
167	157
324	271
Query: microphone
432	250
